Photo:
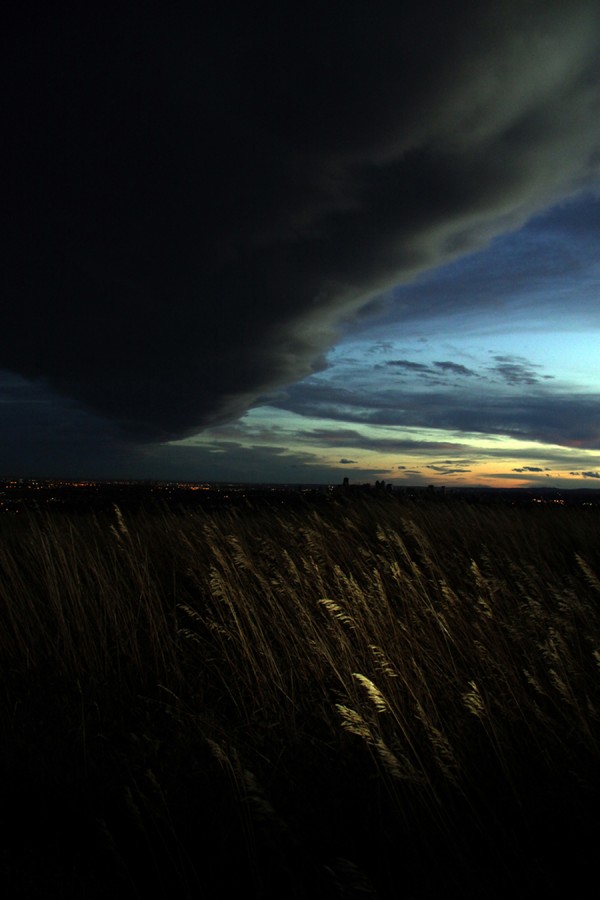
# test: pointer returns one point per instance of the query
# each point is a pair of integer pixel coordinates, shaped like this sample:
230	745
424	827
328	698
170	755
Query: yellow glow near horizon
403	455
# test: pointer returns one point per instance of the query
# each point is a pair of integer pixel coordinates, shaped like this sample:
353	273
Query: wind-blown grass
365	696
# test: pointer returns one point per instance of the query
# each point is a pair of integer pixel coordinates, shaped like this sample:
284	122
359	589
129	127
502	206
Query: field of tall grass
367	697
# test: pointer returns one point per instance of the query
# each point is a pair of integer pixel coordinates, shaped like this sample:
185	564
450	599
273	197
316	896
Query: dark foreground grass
366	699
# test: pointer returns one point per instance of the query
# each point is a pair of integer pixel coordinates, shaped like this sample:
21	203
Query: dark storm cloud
43	434
194	202
229	461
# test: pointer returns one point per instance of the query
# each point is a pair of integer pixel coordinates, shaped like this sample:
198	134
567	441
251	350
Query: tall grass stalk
385	672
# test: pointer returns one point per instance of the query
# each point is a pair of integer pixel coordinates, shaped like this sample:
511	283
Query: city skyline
249	246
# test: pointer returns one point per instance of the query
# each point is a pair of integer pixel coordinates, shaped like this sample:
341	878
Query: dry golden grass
304	686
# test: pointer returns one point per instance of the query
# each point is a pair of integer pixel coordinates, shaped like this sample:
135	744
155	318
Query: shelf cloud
195	204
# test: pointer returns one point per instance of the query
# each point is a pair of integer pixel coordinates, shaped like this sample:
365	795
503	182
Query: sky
300	242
